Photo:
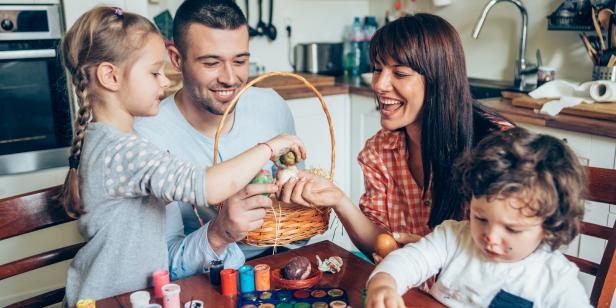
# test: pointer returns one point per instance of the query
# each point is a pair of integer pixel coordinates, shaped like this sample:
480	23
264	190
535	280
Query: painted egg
297	268
288	159
263	177
286	174
385	243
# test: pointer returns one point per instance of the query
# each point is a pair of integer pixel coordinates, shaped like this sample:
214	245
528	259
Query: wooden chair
601	188
26	213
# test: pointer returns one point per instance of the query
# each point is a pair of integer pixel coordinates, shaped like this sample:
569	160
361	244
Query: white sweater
468	279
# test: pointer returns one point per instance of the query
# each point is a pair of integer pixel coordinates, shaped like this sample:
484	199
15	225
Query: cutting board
602	111
281	82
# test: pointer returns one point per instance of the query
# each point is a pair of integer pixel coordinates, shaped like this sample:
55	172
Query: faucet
521	67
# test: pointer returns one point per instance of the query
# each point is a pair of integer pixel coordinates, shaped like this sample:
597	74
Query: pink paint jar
160	278
171	296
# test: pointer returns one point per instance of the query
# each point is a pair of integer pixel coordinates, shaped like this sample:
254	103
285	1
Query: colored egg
263	177
385	243
288	159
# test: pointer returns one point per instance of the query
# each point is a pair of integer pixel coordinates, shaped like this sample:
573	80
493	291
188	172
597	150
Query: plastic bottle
357	36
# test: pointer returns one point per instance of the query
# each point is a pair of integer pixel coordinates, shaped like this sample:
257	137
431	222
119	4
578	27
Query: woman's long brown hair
431	46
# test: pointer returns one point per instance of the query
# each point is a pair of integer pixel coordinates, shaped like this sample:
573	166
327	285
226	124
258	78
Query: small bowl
367	78
314	278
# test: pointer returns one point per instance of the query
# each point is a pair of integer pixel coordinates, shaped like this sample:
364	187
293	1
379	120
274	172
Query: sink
486	88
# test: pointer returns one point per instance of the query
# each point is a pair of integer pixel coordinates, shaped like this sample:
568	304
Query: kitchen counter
501	105
561	121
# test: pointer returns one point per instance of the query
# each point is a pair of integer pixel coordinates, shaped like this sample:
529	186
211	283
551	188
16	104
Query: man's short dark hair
217	14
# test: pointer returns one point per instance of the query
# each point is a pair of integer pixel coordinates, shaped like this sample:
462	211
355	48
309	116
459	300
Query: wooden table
352	278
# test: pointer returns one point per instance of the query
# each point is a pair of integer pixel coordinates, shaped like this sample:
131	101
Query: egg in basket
285	223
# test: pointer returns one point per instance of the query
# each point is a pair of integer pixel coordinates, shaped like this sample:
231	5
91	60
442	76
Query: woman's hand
283	143
381	292
311	190
402	239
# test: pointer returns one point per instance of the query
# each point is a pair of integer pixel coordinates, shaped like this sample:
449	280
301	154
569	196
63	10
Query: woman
429	119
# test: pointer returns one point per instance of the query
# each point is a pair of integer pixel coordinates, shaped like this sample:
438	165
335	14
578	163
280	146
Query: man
211	50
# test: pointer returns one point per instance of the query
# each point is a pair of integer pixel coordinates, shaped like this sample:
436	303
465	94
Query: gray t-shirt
260	115
125	183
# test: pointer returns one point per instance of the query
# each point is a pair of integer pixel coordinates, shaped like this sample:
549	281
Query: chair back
601	188
27	213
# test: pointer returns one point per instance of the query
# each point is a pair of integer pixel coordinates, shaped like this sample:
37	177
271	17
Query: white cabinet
596	151
312	127
365	122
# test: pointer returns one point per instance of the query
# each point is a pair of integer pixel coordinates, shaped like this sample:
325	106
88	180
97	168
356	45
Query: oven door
35	114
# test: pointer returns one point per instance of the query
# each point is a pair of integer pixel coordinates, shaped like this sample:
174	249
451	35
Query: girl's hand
382	293
283	143
406	238
311	190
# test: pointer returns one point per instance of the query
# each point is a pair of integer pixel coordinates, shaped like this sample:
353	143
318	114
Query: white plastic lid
171	289
195	304
140	299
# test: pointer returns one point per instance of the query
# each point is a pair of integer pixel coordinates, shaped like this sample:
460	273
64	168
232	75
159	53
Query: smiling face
400	93
504	229
214	65
146	81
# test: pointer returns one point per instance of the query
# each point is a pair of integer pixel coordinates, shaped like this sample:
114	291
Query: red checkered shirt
392	198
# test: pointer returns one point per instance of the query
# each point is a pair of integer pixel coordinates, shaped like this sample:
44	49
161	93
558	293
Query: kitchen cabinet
365	123
312	127
596	151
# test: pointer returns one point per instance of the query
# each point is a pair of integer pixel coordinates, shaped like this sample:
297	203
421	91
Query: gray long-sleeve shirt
125	183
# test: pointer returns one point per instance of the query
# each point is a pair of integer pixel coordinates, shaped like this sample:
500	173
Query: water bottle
357	36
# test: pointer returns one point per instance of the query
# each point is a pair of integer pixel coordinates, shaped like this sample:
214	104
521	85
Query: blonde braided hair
102	34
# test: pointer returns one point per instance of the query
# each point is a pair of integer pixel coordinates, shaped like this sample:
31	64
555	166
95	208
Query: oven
35	109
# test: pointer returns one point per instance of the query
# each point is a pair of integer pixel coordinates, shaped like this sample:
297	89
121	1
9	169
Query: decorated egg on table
286	174
263	177
385	243
297	268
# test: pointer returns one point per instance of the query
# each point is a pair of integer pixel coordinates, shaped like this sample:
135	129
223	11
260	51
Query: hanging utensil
539	60
251	31
595	23
260	24
270	30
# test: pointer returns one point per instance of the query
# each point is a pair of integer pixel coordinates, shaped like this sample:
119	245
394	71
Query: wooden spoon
605	17
595	23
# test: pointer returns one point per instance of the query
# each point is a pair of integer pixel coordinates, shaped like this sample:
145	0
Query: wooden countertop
561	121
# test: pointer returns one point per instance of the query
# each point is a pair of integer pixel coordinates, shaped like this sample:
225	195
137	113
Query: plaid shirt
392	198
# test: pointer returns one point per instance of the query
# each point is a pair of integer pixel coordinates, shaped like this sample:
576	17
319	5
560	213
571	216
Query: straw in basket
285	223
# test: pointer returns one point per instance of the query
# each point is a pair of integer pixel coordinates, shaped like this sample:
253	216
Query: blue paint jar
247	278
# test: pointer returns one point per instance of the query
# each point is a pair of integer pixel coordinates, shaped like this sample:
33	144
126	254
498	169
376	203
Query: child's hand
381	292
311	190
282	144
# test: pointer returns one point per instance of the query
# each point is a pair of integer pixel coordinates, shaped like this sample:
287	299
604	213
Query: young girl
119	183
525	202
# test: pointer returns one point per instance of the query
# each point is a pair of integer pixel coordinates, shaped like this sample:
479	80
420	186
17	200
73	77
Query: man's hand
240	214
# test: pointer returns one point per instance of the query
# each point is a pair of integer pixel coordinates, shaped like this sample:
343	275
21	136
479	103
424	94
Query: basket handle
285	74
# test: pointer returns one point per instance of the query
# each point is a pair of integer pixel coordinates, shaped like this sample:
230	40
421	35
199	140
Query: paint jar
247	278
262	277
160	278
215	267
139	299
228	278
171	296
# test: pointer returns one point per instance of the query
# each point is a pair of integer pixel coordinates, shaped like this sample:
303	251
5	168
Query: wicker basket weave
285	223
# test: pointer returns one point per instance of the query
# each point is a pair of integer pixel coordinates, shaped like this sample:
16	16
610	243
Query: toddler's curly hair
540	170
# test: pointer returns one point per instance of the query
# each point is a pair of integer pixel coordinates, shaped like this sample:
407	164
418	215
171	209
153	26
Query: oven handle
27	54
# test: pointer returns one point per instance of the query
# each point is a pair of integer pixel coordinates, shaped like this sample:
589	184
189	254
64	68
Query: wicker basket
285	223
